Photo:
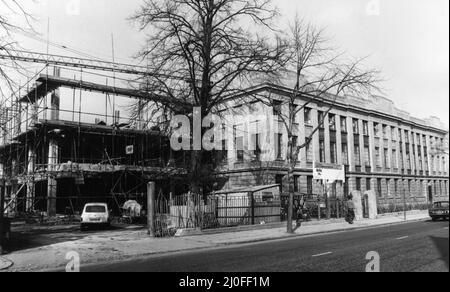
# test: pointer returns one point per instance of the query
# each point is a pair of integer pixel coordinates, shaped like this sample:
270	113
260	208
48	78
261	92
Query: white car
95	214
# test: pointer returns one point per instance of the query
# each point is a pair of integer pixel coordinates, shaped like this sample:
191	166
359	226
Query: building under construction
54	160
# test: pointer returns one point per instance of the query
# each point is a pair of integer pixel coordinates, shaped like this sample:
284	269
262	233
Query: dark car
6	229
439	210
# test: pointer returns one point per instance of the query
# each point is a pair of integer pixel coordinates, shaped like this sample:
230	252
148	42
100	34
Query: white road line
322	254
404	237
446	228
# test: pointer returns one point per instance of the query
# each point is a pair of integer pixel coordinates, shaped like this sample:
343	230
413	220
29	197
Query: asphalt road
418	246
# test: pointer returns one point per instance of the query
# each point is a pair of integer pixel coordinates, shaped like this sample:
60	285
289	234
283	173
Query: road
419	247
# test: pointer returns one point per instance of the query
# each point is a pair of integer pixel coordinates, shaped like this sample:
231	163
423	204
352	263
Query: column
372	146
361	144
351	144
315	140
30	178
428	141
422	153
14	187
302	137
327	139
338	140
417	148
405	166
55	98
53	157
390	149
411	152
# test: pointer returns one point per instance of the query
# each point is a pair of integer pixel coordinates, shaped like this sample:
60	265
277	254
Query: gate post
252	197
151	209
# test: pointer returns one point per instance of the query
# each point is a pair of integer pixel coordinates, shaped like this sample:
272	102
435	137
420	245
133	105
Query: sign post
328	174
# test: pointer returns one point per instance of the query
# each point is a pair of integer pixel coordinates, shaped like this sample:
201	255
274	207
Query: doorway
365	206
430	194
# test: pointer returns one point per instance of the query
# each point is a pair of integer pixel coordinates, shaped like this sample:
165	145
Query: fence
315	206
209	212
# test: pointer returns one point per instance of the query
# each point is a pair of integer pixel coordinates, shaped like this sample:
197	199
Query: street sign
130	150
329	172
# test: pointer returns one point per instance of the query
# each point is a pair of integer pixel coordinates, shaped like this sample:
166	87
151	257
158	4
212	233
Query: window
379	188
408	160
357	155
394	133
294	142
394	158
309	185
376	129
389	191
386	158
279	146
358	184
368	184
333	153
308	119
332	122
296	183
366	128
385	133
378	156
402	161
238	144
277	106
279	181
366	156
321	119
322	151
396	186
309	153
343	124
95	209
256	146
345	154
355	126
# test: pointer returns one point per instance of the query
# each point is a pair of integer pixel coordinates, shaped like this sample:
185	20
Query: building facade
383	148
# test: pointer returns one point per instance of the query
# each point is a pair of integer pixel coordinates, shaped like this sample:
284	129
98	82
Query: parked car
440	210
6	229
95	214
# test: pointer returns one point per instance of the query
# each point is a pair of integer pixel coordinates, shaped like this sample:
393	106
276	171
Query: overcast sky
407	39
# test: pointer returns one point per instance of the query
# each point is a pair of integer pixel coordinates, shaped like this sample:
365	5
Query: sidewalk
125	244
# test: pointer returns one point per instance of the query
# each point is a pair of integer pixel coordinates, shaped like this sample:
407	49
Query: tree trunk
291	165
195	179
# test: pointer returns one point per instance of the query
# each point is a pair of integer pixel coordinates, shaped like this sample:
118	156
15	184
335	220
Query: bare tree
321	75
203	54
13	18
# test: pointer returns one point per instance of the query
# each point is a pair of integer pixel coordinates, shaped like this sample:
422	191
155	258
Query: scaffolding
51	164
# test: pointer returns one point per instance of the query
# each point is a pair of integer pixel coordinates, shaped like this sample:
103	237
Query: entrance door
430	194
365	205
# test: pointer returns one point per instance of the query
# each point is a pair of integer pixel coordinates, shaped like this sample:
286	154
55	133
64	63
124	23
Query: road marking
401	238
446	228
322	254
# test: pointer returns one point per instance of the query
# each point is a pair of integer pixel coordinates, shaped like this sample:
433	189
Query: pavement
411	247
46	248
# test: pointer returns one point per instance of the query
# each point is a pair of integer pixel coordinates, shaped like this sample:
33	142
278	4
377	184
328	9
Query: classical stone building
383	148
